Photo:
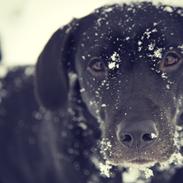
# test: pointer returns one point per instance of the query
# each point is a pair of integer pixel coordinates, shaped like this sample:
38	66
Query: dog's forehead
120	24
129	37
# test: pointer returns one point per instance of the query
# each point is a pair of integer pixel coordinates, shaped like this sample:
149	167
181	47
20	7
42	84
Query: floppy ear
51	74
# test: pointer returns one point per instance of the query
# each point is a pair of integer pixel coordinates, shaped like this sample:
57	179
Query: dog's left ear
51	75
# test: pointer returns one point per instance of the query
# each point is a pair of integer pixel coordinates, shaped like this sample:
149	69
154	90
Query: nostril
126	138
148	137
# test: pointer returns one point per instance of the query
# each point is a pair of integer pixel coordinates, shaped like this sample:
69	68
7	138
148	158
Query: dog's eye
170	61
96	66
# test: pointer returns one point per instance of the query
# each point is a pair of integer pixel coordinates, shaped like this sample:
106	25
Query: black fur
58	140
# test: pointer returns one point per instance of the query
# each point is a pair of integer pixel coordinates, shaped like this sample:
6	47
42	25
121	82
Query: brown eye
170	61
97	66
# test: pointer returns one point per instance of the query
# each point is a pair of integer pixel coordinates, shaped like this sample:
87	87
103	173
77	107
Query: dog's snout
138	136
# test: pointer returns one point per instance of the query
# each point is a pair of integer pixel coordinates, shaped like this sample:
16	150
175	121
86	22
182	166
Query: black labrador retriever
111	89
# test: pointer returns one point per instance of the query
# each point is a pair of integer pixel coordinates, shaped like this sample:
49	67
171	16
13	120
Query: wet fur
57	142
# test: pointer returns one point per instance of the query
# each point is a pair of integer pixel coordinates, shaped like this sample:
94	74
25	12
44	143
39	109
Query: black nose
139	135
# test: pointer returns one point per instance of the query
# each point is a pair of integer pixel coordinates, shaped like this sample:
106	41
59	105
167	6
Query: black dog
111	82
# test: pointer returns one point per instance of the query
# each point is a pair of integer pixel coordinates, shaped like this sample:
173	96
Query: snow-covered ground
26	25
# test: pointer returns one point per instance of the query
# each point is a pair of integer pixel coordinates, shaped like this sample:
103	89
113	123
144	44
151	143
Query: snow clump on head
114	61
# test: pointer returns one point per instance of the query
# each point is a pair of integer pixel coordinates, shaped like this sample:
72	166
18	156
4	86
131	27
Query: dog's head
129	62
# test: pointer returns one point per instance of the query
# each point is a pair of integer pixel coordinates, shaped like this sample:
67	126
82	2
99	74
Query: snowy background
26	25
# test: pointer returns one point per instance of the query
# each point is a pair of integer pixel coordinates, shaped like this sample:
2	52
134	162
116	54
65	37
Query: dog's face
129	62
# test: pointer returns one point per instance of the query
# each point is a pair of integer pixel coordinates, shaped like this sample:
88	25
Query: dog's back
23	157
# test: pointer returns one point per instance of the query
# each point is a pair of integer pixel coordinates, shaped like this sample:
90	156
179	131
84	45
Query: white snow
111	65
83	57
3	70
167	86
83	125
168	9
114	61
29	71
103	167
103	105
158	53
180	46
131	175
82	90
164	76
137	175
151	46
